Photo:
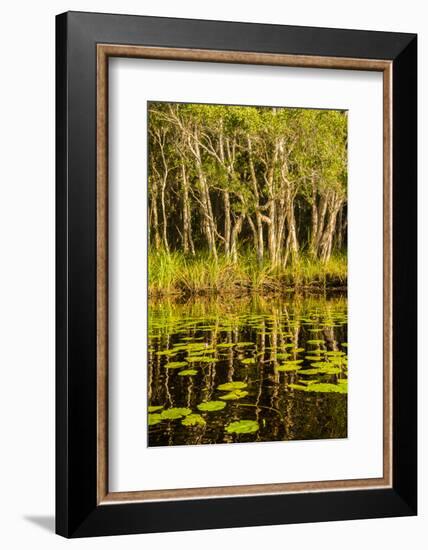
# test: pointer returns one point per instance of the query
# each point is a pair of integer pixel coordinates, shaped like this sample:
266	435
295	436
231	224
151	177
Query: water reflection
247	369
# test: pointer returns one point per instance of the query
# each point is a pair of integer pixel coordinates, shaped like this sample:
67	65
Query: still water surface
247	369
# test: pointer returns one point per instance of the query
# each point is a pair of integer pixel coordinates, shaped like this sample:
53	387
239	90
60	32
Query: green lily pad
282	355
248	361
154	419
288	368
188	372
232	386
309	371
193	420
243	427
225	345
315	341
233	395
201	359
344	344
174	413
175	364
297	387
322	388
211	406
154	408
330	370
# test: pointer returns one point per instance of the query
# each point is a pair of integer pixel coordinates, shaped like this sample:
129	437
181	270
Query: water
284	360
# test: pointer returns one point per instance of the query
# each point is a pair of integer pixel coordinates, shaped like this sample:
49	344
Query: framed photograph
236	274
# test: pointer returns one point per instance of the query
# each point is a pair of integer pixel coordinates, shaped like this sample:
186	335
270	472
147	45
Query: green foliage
232	386
243	427
233	395
193	420
226	179
202	274
174	413
175	364
211	406
188	372
321	388
154	419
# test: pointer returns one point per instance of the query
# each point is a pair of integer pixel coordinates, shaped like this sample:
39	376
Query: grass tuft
176	273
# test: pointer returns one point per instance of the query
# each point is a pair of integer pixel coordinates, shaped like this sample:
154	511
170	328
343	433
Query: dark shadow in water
274	367
45	522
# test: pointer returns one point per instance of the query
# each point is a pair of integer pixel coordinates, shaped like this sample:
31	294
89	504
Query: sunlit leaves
243	427
211	406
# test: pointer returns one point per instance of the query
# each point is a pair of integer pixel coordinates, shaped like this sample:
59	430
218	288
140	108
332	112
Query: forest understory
246	199
173	273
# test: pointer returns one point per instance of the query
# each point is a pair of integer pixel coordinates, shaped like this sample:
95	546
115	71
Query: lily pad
321	388
174	413
211	406
233	395
154	408
330	370
175	364
297	387
243	427
201	359
225	345
315	342
193	420
188	372
248	361
288	368
232	386
309	371
154	419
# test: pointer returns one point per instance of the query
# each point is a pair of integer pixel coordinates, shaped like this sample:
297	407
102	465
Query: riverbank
176	274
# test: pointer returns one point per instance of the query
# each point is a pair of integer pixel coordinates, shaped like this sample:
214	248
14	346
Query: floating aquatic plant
175	364
154	419
243	427
321	388
174	413
238	385
235	394
201	359
188	372
193	420
154	408
211	406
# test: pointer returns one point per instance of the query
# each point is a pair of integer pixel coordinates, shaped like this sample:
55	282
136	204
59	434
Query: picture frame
84	44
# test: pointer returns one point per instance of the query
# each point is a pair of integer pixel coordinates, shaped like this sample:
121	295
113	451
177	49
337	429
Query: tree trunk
234	236
164	221
226	199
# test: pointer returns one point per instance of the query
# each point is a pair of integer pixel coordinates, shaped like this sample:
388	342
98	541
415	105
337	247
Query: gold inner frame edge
104	52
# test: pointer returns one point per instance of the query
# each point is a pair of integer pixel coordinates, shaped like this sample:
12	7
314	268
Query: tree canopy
227	178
